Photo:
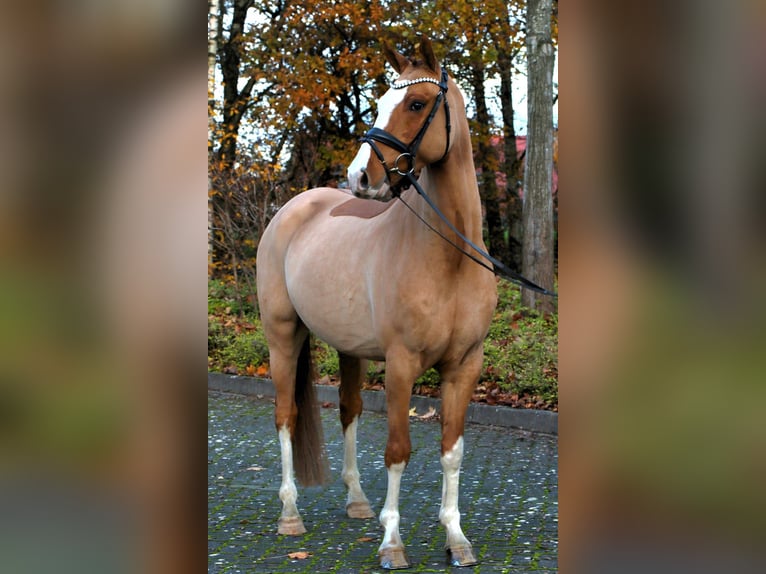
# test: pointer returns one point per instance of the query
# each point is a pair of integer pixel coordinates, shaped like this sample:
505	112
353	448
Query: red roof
521	146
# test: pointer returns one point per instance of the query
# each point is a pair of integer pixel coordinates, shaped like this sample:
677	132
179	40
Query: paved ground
508	497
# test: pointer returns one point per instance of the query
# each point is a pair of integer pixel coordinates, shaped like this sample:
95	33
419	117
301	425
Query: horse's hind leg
285	343
352	371
458	382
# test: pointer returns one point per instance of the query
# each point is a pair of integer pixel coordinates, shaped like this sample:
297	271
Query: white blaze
386	106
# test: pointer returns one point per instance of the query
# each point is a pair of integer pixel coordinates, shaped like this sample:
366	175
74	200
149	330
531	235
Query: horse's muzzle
359	184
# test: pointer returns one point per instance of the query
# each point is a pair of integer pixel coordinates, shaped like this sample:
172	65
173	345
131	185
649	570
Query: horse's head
412	129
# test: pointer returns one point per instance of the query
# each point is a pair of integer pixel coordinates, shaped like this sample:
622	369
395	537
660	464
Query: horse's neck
452	186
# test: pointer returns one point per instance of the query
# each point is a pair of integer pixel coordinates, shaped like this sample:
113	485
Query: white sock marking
288	493
389	516
350	471
449	515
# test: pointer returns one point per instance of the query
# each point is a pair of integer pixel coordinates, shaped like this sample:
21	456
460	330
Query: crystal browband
404	83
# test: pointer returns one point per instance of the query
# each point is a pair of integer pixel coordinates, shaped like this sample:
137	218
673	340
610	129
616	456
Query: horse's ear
427	51
394	58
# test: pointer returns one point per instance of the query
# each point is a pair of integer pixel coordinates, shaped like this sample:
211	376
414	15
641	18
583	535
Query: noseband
407	153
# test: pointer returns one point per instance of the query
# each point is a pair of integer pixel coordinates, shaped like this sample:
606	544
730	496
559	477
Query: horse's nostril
363	182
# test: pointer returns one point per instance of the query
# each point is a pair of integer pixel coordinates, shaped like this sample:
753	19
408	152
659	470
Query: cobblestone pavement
508	497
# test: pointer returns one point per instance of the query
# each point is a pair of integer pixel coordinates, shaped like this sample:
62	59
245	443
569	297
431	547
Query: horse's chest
435	320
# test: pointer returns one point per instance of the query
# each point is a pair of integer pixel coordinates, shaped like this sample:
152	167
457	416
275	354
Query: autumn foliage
297	84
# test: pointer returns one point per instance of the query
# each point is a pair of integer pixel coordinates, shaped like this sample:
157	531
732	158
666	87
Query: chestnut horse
374	282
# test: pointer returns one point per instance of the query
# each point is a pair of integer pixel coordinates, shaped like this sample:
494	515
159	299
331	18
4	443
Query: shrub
521	349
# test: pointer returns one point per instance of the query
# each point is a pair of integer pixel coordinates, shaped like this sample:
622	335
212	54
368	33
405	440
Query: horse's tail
309	456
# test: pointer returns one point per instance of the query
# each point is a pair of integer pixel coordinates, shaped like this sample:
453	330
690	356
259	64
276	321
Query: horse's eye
417	106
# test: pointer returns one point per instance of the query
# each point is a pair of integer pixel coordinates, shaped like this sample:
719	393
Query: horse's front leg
457	387
352	371
459	549
400	376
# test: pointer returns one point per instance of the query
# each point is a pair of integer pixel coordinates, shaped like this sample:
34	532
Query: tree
298	80
505	34
537	251
486	158
479	38
300	86
235	100
214	10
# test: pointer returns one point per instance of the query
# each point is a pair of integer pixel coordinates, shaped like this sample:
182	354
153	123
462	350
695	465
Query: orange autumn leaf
302	555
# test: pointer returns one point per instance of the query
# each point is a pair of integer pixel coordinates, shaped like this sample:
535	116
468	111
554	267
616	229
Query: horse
366	272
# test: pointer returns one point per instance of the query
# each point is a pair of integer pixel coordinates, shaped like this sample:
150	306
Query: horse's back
300	210
293	218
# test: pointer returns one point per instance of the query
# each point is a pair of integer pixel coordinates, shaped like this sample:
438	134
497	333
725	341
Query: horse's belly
331	299
350	341
345	327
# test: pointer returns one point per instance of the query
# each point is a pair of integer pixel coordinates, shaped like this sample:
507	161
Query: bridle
407	178
407	153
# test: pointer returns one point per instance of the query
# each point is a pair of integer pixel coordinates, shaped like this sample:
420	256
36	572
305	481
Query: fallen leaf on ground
256	468
302	555
429	415
365	539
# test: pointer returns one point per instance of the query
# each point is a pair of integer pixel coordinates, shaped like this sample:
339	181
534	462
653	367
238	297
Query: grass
520	353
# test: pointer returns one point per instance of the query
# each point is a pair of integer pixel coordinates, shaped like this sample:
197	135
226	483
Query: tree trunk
537	253
232	109
511	164
214	8
234	100
487	161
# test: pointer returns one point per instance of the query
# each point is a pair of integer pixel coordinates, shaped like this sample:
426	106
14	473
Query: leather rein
407	153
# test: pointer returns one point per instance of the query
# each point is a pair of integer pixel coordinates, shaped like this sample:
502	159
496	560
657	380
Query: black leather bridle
407	178
407	153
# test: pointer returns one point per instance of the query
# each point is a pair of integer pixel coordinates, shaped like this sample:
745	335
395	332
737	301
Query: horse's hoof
359	510
461	556
292	526
393	559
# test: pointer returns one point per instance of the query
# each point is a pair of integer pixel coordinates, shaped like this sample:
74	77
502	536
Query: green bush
521	349
227	349
325	359
224	297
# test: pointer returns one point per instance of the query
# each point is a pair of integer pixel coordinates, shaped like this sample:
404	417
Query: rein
407	179
500	268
